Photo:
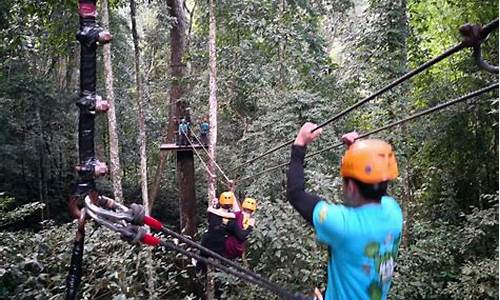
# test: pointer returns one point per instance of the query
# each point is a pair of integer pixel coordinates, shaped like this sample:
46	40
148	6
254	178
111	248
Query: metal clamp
90	103
92	168
91	35
115	221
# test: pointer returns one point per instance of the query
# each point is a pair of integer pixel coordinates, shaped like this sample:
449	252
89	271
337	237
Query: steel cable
395	123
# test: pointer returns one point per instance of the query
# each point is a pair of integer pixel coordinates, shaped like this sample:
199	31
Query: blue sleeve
329	222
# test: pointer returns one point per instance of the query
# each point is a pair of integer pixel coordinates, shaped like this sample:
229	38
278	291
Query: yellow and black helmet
226	198
250	204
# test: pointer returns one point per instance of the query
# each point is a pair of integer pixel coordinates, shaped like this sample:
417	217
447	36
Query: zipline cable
129	223
210	157
258	277
486	30
197	154
417	115
285	294
369	98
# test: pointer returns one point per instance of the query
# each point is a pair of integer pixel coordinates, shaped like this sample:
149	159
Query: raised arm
301	200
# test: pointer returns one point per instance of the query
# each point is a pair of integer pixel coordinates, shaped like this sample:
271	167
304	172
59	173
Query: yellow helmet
370	161
226	198
250	204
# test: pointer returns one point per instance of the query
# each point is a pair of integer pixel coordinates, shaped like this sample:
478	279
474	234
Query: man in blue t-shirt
363	233
183	132
204	128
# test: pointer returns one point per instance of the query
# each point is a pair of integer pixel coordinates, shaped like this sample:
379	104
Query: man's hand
349	138
251	222
215	201
305	136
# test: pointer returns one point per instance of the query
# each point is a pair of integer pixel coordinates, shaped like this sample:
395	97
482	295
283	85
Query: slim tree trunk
142	139
140	104
114	156
212	139
42	171
212	66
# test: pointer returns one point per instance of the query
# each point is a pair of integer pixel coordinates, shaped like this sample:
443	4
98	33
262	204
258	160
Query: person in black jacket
218	220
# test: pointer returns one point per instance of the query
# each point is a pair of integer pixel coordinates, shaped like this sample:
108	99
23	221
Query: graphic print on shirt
383	264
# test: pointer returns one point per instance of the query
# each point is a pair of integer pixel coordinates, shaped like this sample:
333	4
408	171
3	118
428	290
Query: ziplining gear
90	103
92	168
250	204
218	219
369	161
226	198
228	181
433	109
90	35
240	229
474	36
129	222
135	215
363	239
466	42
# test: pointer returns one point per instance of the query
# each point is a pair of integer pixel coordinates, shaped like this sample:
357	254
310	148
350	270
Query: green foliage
280	63
451	261
35	265
18	214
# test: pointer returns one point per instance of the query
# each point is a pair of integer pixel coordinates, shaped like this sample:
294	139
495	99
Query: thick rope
384	89
417	115
210	157
485	31
199	157
258	277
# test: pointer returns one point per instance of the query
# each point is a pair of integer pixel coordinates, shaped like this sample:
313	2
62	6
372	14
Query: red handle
153	223
150	240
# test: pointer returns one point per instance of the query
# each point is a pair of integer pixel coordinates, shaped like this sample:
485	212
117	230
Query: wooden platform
174	147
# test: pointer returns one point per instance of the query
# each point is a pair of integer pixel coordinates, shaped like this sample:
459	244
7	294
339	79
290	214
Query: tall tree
142	134
140	108
185	159
177	71
212	67
114	156
212	100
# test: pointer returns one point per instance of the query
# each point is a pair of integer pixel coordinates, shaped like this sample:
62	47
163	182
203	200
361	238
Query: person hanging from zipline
228	227
218	219
183	132
363	233
204	128
240	228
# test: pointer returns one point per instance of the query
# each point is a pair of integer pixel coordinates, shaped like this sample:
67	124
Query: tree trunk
177	71
114	155
185	163
212	58
140	109
212	138
142	139
42	170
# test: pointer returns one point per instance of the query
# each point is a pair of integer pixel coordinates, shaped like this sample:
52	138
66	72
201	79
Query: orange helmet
226	198
250	204
370	161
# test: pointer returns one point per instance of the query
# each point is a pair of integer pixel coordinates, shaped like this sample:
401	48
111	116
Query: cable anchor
91	34
92	168
90	103
473	35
